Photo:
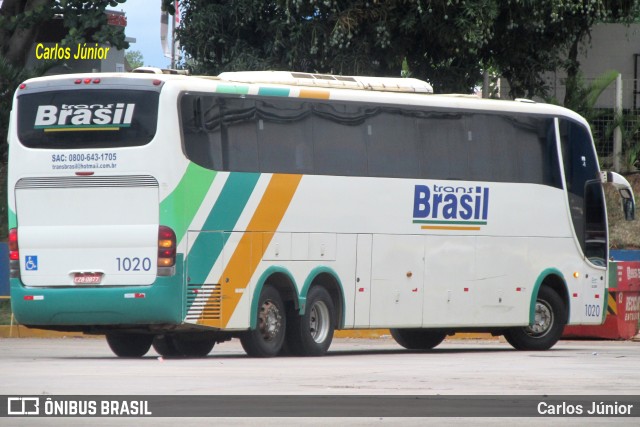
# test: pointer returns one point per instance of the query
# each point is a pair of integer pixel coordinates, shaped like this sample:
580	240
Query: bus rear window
87	118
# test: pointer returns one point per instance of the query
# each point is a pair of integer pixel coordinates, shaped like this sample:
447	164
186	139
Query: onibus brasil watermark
423	406
47	406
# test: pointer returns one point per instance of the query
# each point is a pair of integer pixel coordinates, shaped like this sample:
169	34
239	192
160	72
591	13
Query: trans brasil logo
98	117
440	207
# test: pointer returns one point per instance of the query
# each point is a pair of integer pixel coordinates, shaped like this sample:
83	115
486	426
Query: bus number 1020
134	264
592	310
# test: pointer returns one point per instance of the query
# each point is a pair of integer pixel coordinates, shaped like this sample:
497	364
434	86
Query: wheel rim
319	322
270	320
543	320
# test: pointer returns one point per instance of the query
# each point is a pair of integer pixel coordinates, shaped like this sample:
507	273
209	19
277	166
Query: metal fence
602	126
603	122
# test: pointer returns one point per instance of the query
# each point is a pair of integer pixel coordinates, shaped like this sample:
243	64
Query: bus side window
443	153
239	135
392	145
201	139
339	140
284	136
201	130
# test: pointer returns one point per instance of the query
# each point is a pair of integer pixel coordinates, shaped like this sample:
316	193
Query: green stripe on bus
181	206
240	90
13	220
215	231
273	91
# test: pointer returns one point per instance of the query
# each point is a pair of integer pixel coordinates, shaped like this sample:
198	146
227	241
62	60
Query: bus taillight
166	249
14	254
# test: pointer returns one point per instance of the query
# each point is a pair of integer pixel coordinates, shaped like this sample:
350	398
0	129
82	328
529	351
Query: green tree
20	24
448	42
134	58
534	37
440	40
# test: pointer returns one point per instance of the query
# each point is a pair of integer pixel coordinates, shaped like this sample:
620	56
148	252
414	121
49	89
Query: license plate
87	278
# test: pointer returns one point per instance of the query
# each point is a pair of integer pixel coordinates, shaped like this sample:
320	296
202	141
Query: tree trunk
573	69
16	45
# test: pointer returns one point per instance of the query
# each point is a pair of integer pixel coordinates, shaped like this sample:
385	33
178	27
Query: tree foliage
448	42
22	20
440	41
134	58
533	37
20	24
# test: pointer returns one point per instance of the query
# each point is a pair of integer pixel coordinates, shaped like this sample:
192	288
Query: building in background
612	47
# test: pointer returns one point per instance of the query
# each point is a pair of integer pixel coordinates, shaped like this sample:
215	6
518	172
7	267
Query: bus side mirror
629	208
624	188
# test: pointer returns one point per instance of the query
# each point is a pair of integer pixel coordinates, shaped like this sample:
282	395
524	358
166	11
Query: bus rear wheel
546	330
194	345
165	347
268	337
184	345
126	344
311	334
418	339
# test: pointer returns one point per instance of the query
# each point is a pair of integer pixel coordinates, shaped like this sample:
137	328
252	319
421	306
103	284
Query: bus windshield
87	118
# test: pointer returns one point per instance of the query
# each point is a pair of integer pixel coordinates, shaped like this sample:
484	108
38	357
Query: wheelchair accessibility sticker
31	263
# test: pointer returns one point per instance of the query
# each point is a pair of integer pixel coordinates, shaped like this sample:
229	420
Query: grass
5	312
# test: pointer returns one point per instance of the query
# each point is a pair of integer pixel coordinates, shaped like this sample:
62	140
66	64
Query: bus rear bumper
83	308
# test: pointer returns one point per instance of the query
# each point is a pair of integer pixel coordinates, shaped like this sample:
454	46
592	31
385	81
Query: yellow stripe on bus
314	93
448	227
253	244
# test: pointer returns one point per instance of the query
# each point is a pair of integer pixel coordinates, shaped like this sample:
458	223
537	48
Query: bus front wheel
418	339
125	344
268	337
549	321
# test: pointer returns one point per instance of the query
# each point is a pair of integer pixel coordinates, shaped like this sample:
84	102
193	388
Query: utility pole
617	132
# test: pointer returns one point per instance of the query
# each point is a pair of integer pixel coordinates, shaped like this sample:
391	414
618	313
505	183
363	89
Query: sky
143	24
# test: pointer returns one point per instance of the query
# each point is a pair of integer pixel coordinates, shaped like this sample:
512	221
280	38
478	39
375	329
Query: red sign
116	19
628	274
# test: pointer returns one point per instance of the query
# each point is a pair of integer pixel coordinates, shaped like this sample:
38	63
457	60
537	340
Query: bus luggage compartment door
100	227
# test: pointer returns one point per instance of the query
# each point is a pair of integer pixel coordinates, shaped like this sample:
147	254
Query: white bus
276	207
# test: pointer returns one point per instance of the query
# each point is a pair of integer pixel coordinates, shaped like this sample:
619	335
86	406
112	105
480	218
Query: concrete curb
19	331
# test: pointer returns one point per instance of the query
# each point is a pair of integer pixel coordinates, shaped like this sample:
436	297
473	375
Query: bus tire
311	334
165	346
125	344
550	319
418	339
268	337
194	345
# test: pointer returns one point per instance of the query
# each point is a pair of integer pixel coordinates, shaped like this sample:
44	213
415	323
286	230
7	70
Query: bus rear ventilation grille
204	302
